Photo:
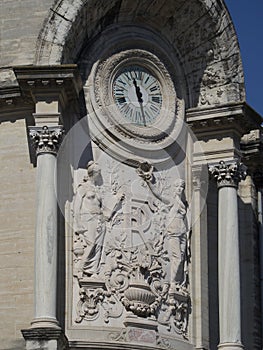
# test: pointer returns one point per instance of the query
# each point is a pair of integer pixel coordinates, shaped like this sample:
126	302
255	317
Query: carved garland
132	277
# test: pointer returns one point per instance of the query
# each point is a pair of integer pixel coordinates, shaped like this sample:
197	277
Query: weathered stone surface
195	43
20	25
16	235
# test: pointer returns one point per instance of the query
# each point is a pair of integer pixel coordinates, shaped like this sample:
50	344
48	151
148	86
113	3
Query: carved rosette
228	174
46	139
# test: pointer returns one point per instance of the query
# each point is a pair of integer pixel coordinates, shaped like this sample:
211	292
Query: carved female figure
176	228
89	220
177	234
90	217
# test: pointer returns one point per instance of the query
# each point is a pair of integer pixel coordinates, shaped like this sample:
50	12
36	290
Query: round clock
138	95
132	103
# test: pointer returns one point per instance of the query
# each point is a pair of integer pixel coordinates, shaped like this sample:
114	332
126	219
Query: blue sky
247	16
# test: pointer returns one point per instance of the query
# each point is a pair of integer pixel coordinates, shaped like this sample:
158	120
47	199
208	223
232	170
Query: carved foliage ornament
228	174
143	269
46	139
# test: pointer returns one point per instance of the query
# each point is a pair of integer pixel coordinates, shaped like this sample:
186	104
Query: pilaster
200	257
252	151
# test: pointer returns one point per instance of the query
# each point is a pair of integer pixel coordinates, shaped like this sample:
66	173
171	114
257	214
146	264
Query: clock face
138	95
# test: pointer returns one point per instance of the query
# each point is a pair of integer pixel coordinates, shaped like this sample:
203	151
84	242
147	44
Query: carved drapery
141	274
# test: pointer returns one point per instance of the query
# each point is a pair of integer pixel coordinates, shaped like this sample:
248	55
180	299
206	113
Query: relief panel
131	252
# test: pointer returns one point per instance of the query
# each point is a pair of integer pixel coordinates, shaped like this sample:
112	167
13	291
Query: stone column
46	141
228	175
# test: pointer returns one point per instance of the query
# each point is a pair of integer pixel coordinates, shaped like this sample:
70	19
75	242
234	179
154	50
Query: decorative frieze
228	174
46	139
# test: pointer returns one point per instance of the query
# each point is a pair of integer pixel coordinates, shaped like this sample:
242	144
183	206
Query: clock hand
138	91
143	116
140	100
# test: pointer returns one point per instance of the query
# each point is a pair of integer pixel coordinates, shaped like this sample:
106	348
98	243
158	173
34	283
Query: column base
45	322
45	338
230	346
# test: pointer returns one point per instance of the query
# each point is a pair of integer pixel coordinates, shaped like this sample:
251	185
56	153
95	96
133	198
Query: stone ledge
43	334
43	79
238	116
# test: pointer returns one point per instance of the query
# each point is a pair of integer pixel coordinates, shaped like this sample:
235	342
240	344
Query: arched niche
199	32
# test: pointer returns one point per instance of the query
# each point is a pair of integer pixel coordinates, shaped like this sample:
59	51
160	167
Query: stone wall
17	216
20	23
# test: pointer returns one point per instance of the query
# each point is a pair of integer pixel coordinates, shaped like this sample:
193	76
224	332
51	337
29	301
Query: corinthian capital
228	174
46	139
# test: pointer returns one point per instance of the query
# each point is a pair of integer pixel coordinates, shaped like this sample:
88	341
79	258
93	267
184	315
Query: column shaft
228	267
46	241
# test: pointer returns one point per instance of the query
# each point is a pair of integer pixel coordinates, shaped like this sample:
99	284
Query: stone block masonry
17	217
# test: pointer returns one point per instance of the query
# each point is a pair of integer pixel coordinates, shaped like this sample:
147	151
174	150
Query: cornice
237	117
251	146
62	80
17	101
13	105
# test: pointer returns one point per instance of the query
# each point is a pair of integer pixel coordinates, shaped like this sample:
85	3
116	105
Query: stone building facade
131	167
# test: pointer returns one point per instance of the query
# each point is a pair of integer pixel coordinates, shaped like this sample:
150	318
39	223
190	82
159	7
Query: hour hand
138	91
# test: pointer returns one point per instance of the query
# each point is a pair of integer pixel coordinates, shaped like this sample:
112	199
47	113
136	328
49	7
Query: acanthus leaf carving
228	173
46	139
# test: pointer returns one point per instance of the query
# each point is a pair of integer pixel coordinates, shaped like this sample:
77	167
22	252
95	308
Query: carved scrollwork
89	303
176	310
142	270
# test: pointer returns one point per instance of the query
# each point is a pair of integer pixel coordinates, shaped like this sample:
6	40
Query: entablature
239	118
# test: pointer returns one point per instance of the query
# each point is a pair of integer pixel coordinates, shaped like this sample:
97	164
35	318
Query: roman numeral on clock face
121	100
137	94
156	99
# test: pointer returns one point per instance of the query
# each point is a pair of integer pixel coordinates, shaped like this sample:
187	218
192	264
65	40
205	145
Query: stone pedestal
45	338
228	176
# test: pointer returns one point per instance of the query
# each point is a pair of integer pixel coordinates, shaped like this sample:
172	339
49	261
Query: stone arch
200	31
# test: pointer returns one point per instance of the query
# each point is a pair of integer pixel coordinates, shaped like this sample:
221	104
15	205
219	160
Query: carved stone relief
131	249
